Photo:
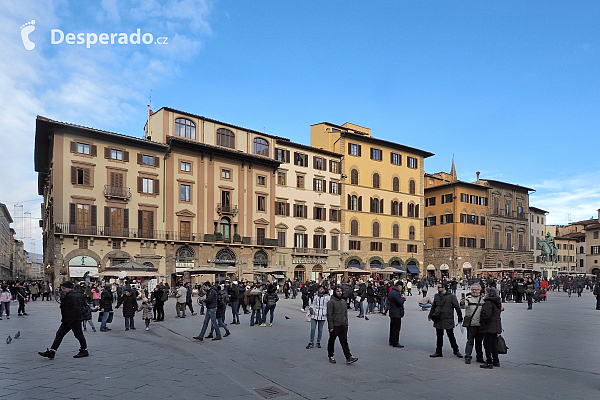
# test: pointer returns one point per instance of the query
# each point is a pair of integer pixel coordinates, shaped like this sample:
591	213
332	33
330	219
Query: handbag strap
475	310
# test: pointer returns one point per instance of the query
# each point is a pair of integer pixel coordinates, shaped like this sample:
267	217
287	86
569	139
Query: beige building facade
307	211
381	199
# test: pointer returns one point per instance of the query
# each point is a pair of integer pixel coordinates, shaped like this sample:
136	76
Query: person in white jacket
181	299
318	312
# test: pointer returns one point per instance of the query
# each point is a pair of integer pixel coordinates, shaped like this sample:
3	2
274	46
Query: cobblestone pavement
553	354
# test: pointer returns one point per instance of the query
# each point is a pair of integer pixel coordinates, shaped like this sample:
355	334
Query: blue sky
510	88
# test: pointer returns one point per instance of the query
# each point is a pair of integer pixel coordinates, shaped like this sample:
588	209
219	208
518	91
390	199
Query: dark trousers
440	340
21	309
598	302
160	311
190	306
64	328
395	325
529	299
490	342
340	332
474	337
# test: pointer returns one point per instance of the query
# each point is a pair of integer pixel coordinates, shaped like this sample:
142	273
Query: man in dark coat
396	307
337	322
442	313
106	300
491	326
597	292
211	312
71	309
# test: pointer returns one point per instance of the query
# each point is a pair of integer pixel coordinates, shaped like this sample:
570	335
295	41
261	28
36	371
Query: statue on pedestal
548	248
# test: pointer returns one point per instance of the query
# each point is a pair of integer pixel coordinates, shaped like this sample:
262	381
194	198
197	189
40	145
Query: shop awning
413	269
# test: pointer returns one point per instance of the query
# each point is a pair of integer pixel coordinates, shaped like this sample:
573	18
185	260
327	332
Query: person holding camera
442	315
472	304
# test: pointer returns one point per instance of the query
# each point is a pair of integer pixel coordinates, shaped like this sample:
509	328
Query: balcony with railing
227	209
304	251
510	214
117	192
117	232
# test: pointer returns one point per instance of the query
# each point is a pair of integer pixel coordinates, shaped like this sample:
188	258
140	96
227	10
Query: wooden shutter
73	175
287	156
107	217
305	213
359	147
73	147
287	209
400	209
315	241
94	150
140	184
156	186
324	165
140	158
381	206
140	222
126	156
86	176
371	152
305	240
314	212
157	161
360	203
151	218
107	152
94	217
314	162
125	220
324	186
314	183
72	214
349	202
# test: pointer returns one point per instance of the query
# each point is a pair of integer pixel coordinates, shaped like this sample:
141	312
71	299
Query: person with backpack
72	310
270	299
221	308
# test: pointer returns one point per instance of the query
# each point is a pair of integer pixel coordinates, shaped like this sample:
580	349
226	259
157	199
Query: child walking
146	309
87	317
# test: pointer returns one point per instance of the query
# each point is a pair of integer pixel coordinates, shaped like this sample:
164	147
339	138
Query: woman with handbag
491	326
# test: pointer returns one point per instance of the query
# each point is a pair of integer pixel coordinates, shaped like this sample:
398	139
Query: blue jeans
129	323
104	319
235	311
264	316
313	325
361	307
257	314
370	308
221	322
211	316
382	304
5	305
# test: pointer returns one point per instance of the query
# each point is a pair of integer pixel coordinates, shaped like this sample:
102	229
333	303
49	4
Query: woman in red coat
544	288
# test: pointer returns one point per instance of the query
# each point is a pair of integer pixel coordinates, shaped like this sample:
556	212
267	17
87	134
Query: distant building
6	243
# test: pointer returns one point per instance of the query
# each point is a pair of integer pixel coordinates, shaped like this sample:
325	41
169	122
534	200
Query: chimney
478	176
599	215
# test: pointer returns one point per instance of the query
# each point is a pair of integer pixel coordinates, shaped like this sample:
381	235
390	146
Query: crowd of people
326	302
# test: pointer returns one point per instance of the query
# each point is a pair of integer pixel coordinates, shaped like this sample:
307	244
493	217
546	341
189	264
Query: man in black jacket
597	292
396	307
106	300
211	312
337	322
71	309
442	313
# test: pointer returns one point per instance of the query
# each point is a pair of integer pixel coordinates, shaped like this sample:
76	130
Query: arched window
185	128
395	231
184	254
261	147
376	180
353	204
375	229
375	205
411	210
396	184
411	232
354	177
225	138
354	228
226	228
394	207
400	209
412	187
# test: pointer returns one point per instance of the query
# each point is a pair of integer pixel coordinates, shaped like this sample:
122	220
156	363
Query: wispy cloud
104	86
569	199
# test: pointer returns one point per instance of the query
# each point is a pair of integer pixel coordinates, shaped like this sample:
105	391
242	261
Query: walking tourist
318	313
337	322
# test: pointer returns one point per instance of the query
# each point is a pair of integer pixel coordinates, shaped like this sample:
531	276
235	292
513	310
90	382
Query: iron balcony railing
117	192
308	250
74	229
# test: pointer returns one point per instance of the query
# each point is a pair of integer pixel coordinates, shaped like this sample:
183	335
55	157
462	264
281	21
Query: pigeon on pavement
8	339
18	335
286	317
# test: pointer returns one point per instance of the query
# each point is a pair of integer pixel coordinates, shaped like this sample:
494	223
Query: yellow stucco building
382	198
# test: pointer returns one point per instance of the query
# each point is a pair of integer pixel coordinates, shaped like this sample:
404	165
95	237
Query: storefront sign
307	261
216	261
